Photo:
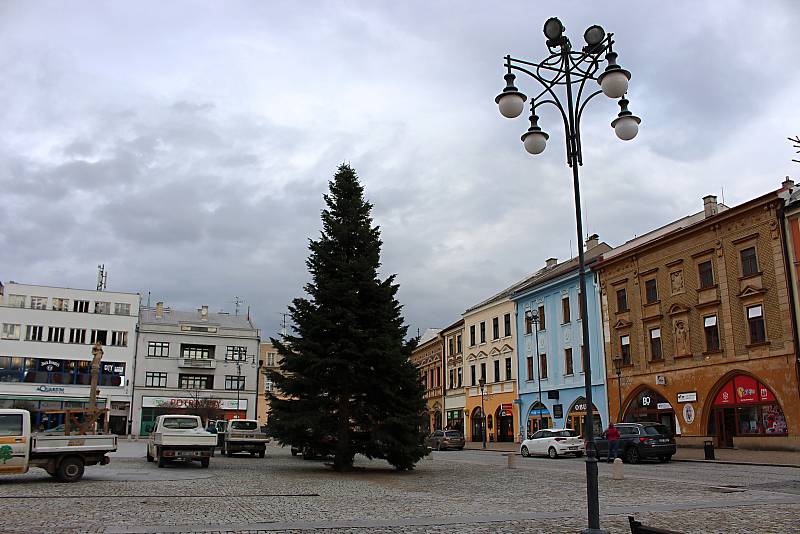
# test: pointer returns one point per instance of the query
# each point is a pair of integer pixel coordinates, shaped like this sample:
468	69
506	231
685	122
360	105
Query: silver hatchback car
445	439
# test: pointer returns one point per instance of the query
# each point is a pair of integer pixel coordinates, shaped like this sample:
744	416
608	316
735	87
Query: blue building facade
554	372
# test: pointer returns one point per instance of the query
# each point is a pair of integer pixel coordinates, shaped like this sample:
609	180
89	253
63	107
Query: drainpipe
791	283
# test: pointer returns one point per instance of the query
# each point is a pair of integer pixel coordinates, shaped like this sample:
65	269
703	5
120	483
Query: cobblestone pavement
466	491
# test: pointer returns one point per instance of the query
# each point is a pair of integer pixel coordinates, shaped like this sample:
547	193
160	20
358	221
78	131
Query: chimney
710	205
203	313
159	310
788	184
550	262
592	241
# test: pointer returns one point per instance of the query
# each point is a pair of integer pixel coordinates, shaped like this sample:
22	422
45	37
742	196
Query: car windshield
654	430
243	425
565	434
180	422
453	434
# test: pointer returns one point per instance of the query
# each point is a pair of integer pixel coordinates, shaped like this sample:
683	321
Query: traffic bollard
512	460
617	470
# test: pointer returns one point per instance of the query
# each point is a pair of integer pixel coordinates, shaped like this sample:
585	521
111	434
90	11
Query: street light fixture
482	384
618	371
533	317
242	359
568	69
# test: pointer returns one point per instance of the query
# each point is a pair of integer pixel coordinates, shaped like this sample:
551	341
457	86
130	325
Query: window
530	368
565	315
438	376
622	300
235	354
81	306
755	322
651	291
55	334
101	336
102	307
472	375
459	376
16	301
11	331
155	380
528	325
496	328
706	272
196	381
11	425
234	382
543	365
38	303
541	318
483	331
625	349
60	304
158	349
271	359
458	344
122	309
34	333
749	261
655	345
568	369
119	339
508	368
472	335
77	335
507	325
483	372
451	375
430	372
197	352
712	333
497	370
268	385
450	346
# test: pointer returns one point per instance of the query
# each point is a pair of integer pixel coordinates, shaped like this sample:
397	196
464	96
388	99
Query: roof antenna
237	302
722	193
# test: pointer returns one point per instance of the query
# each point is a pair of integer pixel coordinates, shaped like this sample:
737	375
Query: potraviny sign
188	402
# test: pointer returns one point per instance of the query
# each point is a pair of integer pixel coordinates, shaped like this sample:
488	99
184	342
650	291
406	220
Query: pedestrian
612	434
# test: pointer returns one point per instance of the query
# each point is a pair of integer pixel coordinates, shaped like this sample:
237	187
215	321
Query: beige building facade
454	397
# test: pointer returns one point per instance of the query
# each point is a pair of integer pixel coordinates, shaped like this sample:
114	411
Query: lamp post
482	384
618	371
241	359
533	317
568	70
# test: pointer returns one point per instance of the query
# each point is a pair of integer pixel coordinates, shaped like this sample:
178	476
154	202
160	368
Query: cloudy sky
187	145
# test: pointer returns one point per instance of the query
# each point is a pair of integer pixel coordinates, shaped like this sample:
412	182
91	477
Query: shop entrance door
726	426
505	429
477	428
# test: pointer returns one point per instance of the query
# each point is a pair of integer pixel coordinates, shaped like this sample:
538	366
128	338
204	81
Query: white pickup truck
244	435
180	437
63	457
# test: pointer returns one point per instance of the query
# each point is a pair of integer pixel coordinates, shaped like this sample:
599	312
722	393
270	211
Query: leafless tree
795	144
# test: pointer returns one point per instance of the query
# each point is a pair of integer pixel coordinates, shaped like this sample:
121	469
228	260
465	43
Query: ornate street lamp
482	384
568	70
239	361
618	371
533	317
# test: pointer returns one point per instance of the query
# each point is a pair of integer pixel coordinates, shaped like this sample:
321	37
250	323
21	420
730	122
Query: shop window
706	273
622	300
755	323
745	406
749	261
655	345
625	349
651	290
711	332
568	370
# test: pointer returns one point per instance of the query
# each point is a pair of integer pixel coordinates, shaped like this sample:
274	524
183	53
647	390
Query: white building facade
46	351
185	358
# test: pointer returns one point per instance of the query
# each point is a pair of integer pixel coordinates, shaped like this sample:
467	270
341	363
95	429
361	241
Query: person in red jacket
612	434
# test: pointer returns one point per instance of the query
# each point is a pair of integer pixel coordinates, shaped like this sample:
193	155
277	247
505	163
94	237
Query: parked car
639	441
553	442
244	435
180	437
445	439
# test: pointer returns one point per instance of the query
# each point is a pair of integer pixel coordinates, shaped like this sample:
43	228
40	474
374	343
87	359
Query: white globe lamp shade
626	127
511	104
614	83
535	142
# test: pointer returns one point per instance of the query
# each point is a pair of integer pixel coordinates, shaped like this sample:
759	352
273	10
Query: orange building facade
699	328
427	357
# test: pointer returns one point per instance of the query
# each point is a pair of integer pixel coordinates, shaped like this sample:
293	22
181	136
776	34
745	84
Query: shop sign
182	402
725	395
664	406
688	413
687	397
558	411
50	389
746	389
765	394
579	407
50	365
454	414
506	410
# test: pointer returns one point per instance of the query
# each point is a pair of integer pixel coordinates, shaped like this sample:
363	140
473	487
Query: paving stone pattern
453	492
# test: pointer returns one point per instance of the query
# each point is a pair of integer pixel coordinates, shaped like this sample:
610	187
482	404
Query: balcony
196	363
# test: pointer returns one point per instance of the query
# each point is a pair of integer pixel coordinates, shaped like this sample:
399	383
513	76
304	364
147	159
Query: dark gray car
445	439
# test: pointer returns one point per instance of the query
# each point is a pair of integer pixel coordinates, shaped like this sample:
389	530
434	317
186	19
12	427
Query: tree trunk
343	461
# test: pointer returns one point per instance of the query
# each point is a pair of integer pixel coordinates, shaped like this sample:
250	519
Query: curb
732	462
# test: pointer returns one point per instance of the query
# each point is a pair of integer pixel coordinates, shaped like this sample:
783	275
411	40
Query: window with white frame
55	334
34	333
270	359
755	323
655	345
77	335
11	331
80	306
102	307
235	354
625	349
38	303
119	338
159	349
121	308
60	304
233	382
100	336
712	333
155	380
268	385
16	301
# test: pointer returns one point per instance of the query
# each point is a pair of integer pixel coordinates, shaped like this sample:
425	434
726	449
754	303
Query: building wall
270	361
498	393
428	358
33	390
688	365
558	336
236	332
454	399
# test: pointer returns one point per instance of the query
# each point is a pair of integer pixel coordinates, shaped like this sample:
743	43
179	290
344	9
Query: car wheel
261	454
632	455
70	469
552	453
149	457
204	463
524	451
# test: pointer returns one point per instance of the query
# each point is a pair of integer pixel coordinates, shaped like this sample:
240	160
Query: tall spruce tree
345	384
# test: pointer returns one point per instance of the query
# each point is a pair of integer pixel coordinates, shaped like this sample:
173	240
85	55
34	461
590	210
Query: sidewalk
493	447
740	456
